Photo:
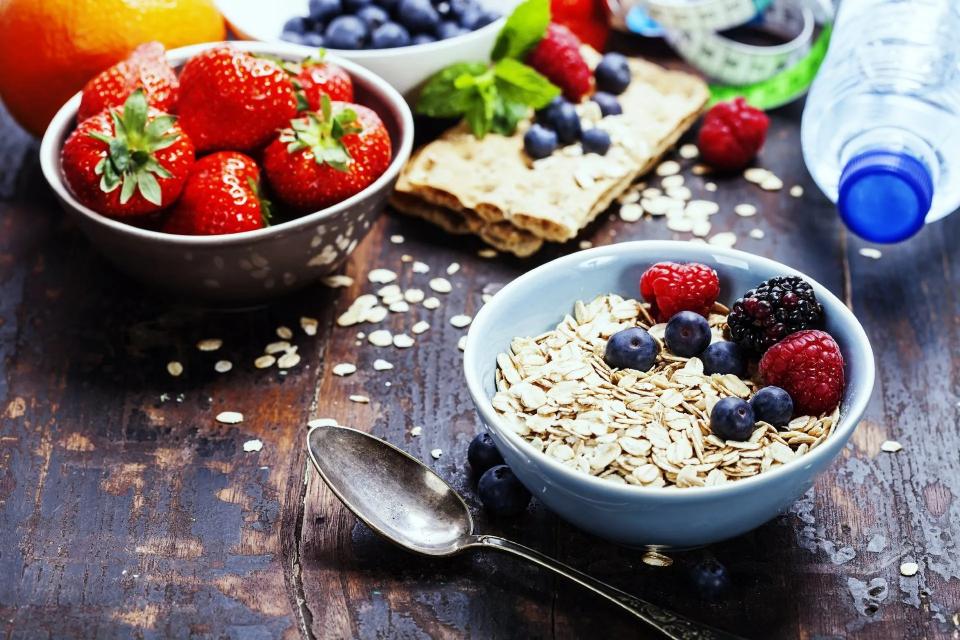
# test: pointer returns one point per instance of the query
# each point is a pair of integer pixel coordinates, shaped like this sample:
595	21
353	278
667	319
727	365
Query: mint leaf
517	82
508	114
443	98
523	30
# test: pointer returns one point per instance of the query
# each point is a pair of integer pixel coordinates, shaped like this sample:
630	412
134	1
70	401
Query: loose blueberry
483	453
448	29
346	32
710	579
323	10
595	141
609	105
773	405
539	142
422	38
354	6
313	39
373	16
389	36
292	36
501	492
296	24
732	419
563	119
687	334
724	357
631	348
613	73
418	15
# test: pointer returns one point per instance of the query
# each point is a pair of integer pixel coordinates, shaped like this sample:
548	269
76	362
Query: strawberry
557	56
232	100
146	68
222	195
327	156
313	78
127	162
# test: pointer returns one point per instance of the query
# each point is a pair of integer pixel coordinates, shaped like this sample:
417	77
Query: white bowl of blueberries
403	41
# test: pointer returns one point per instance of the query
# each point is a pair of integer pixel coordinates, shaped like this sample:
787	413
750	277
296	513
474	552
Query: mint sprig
495	98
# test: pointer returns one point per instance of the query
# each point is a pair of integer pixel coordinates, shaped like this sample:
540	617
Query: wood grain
127	511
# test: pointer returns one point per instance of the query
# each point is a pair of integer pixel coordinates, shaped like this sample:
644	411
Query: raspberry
673	287
809	366
778	307
557	56
731	134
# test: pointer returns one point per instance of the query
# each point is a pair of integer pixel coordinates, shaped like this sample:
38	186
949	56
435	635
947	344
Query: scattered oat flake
174	368
441	285
757	234
337	281
416	431
420	267
406	258
413	296
402	341
431	303
453	268
631	212
668	168
344	369
322	422
380	338
771	183
689	151
381	276
870	252
487	253
264	362
277	347
254	445
360	399
209	344
288	360
396	239
400	306
891	446
745	210
309	325
382	365
723	239
700	169
462	343
657	559
756	175
420	327
710	186
796	191
672	182
909	569
284	333
222	366
436	453
230	417
460	321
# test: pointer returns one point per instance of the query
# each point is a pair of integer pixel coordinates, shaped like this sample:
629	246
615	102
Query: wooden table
127	511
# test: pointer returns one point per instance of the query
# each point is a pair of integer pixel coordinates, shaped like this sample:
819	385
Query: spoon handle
666	622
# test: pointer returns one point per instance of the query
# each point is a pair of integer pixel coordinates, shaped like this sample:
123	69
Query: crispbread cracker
491	188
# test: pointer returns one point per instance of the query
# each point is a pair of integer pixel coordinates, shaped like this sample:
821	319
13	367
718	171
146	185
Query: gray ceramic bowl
638	516
253	265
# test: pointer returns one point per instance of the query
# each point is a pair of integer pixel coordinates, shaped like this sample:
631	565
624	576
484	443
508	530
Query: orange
50	48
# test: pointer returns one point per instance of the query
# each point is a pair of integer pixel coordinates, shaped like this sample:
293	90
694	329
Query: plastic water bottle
881	127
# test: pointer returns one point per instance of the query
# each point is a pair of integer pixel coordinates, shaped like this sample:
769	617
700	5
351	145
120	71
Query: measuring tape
767	76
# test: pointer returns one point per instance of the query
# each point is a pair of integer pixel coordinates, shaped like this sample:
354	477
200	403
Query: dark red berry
772	311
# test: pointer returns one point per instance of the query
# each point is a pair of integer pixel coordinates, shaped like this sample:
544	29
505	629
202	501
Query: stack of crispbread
491	188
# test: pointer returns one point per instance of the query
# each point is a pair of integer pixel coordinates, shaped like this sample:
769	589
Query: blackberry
778	307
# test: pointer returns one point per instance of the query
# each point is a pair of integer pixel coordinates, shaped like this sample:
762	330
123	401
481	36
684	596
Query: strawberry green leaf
522	31
149	188
135	112
128	189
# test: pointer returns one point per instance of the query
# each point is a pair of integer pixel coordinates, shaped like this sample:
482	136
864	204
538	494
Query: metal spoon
404	501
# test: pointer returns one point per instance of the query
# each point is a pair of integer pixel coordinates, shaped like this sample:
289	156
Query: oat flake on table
642	428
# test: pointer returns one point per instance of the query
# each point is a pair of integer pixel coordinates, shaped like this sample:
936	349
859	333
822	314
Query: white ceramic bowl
253	265
405	67
640	516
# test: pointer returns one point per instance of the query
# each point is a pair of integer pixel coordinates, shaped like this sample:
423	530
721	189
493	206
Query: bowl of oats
668	394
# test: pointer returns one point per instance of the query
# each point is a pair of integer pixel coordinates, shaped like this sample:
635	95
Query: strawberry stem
322	134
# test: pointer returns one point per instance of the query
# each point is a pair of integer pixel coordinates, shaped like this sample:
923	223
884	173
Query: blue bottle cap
884	196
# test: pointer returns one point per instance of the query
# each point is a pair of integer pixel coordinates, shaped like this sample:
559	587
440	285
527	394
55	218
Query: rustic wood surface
127	511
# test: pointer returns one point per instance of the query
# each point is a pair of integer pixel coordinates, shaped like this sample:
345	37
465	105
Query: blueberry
483	453
501	493
460	7
773	405
724	357
474	17
295	24
346	32
444	9
448	29
292	36
613	73
389	36
609	105
354	6
373	16
544	116
732	419
539	142
687	334
595	141
324	10
710	579
563	119
418	15
422	38
632	348
388	5
313	39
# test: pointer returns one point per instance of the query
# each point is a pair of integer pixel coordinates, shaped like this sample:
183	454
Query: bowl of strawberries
229	171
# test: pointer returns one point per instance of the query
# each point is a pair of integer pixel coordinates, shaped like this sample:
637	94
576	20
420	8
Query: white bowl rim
66	116
848	420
